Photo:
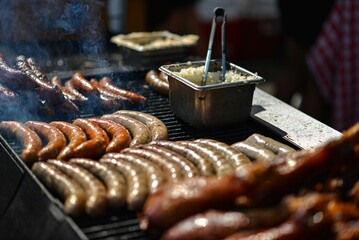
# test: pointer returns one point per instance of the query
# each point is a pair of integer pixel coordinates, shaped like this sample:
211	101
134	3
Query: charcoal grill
29	211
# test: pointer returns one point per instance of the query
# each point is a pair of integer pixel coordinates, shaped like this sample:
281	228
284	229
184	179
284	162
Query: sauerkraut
195	75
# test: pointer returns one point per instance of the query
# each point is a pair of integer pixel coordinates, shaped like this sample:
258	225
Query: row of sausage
27	93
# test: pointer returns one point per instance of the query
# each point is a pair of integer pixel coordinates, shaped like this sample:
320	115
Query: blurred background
73	35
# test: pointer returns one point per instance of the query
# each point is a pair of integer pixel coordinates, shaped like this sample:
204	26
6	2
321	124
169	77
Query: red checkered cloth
334	62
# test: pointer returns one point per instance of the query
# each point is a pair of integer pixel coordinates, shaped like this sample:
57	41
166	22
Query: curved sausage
120	136
77	97
269	143
236	158
105	92
114	181
204	166
106	83
73	194
221	165
157	82
96	200
157	127
84	86
137	188
188	168
56	140
154	173
140	133
31	142
172	170
75	136
97	143
256	153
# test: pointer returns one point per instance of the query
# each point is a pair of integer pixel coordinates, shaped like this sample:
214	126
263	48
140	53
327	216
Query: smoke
45	29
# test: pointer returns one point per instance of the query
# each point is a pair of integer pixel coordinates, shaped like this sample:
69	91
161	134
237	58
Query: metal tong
218	12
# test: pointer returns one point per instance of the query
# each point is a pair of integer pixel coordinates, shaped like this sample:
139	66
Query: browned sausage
140	133
56	140
157	127
120	136
84	86
254	152
236	158
157	82
97	143
204	166
75	136
137	188
77	97
96	200
107	101
172	170
105	92
73	194
269	143
188	168
155	175
106	83
115	182
31	142
221	165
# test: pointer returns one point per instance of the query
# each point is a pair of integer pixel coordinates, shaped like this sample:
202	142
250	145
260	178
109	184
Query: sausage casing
115	182
96	199
154	173
97	143
75	136
236	158
157	127
187	167
254	152
72	192
172	170
157	82
120	136
31	142
221	165
269	143
140	133
203	164
56	140
137	188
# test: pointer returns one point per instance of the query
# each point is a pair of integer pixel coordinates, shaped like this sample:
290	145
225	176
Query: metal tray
209	106
154	48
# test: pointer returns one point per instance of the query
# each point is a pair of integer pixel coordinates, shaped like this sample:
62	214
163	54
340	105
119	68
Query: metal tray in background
137	48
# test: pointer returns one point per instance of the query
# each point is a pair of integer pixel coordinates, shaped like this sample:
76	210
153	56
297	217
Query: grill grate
123	224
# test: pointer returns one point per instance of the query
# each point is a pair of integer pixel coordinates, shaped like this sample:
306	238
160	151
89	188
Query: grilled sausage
269	143
204	166
188	168
107	83
157	127
172	170
56	140
114	181
120	136
77	97
105	92
256	153
96	200
136	182
84	86
220	163
154	173
31	142
140	133
97	143
157	82
236	158
73	194
75	136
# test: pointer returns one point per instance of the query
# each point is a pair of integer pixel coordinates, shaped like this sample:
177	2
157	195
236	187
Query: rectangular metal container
210	106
